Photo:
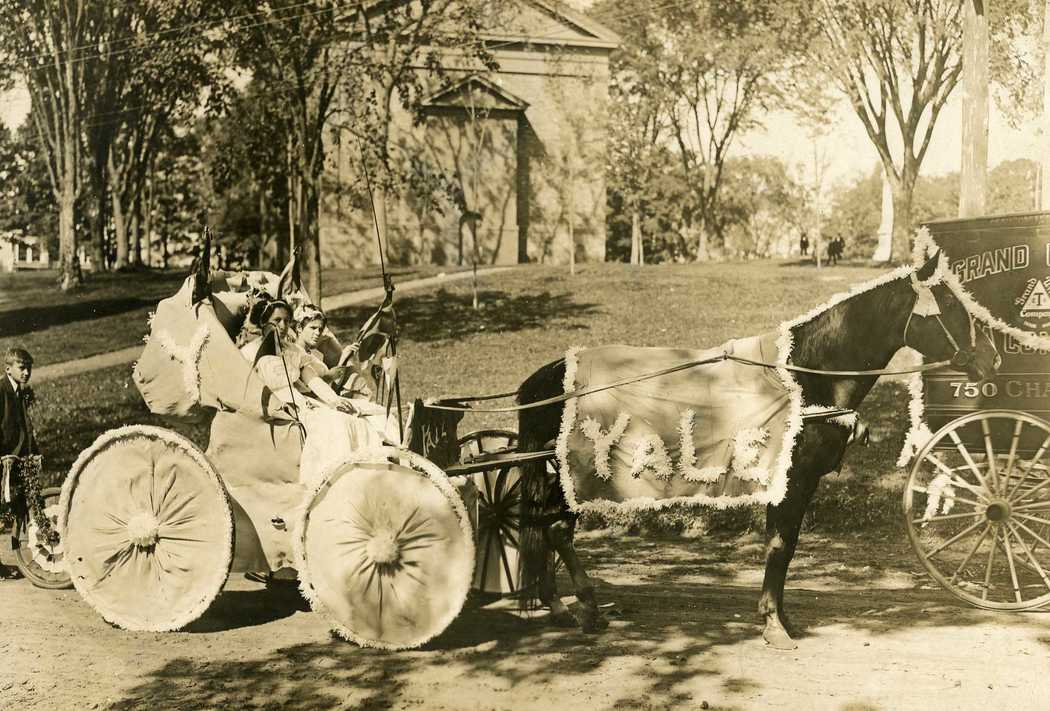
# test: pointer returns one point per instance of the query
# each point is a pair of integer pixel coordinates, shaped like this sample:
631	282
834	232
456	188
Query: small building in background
520	153
23	253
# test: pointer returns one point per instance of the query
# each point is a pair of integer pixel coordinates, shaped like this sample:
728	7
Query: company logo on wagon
1035	304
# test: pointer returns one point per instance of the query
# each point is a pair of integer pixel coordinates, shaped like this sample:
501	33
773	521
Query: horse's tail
540	496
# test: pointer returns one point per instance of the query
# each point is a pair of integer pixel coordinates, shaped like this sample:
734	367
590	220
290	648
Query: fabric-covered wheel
384	549
977	509
496	519
147	529
41	562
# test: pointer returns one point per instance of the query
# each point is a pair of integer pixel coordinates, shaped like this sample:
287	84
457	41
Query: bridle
926	306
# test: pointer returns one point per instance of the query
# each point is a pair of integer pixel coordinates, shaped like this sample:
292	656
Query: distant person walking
835	248
803	245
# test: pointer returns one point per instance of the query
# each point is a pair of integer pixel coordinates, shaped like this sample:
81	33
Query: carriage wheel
498	509
384	549
41	562
147	529
978	510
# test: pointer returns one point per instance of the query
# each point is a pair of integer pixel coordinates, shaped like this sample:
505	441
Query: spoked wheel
147	529
42	561
498	509
384	549
977	509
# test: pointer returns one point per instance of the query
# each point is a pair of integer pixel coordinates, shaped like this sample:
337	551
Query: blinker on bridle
926	306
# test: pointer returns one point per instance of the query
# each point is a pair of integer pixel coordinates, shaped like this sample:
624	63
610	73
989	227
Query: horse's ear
927	270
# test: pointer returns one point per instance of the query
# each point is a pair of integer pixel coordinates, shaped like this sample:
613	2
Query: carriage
977	500
382	542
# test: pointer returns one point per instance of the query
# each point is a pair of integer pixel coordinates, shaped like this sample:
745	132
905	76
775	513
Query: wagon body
1004	264
978	495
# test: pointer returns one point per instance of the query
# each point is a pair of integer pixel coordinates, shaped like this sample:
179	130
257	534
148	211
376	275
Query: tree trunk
380	200
637	247
1044	165
884	250
135	234
309	239
903	193
120	230
69	266
147	217
973	174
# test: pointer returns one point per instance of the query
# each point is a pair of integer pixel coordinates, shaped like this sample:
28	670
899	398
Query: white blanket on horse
718	434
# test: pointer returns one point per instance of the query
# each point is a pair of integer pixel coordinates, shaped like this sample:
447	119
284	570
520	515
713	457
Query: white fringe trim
568	422
651	453
125	436
604	441
687	454
918	431
189	356
302	521
941	493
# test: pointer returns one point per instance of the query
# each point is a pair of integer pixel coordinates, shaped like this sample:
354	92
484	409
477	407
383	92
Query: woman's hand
343	405
349	351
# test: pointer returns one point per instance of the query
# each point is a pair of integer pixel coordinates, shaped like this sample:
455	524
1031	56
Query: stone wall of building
523	148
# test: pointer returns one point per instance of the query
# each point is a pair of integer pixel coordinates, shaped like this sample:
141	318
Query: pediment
476	93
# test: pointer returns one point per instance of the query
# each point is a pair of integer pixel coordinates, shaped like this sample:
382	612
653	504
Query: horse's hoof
563	619
593	623
778	638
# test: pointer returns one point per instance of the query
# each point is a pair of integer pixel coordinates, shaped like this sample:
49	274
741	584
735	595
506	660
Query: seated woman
334	425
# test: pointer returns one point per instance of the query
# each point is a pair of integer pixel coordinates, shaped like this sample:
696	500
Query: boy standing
16	430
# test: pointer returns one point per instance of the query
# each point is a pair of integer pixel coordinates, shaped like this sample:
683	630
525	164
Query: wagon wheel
42	562
498	508
384	549
978	512
147	529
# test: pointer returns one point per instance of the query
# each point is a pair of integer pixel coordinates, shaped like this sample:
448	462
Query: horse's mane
859	330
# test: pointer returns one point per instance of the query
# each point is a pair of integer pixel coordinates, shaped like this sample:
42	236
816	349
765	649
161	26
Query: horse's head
941	328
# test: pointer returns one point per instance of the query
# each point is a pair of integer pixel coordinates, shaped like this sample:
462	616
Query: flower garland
30	470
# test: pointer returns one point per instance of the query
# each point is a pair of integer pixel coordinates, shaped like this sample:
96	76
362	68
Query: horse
859	333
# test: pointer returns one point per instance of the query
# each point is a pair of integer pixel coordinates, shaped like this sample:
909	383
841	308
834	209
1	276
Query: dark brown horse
862	332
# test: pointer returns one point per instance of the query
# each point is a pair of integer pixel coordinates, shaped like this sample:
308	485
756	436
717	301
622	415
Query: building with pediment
522	150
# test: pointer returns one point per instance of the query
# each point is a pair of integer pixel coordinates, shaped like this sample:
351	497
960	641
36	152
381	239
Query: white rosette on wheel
147	529
385	550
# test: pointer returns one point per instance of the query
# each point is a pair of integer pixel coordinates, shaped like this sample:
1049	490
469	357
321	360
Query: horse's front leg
560	537
783	523
560	615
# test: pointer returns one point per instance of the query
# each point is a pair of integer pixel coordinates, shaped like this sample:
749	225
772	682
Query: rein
580	392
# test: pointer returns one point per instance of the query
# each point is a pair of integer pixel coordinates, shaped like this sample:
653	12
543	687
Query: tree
640	123
46	43
296	54
151	77
762	208
27	203
897	62
401	52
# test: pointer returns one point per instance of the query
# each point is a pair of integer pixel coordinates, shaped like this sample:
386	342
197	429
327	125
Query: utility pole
973	175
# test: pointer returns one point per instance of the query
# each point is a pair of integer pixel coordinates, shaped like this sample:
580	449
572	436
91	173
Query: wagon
977	500
152	525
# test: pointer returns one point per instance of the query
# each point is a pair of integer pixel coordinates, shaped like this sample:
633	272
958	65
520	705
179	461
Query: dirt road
684	633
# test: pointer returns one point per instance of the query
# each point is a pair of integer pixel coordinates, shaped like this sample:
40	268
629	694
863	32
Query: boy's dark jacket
15	435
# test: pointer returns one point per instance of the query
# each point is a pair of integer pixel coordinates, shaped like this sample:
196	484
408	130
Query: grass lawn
530	317
110	311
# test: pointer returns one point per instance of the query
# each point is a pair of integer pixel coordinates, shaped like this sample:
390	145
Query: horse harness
926	306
